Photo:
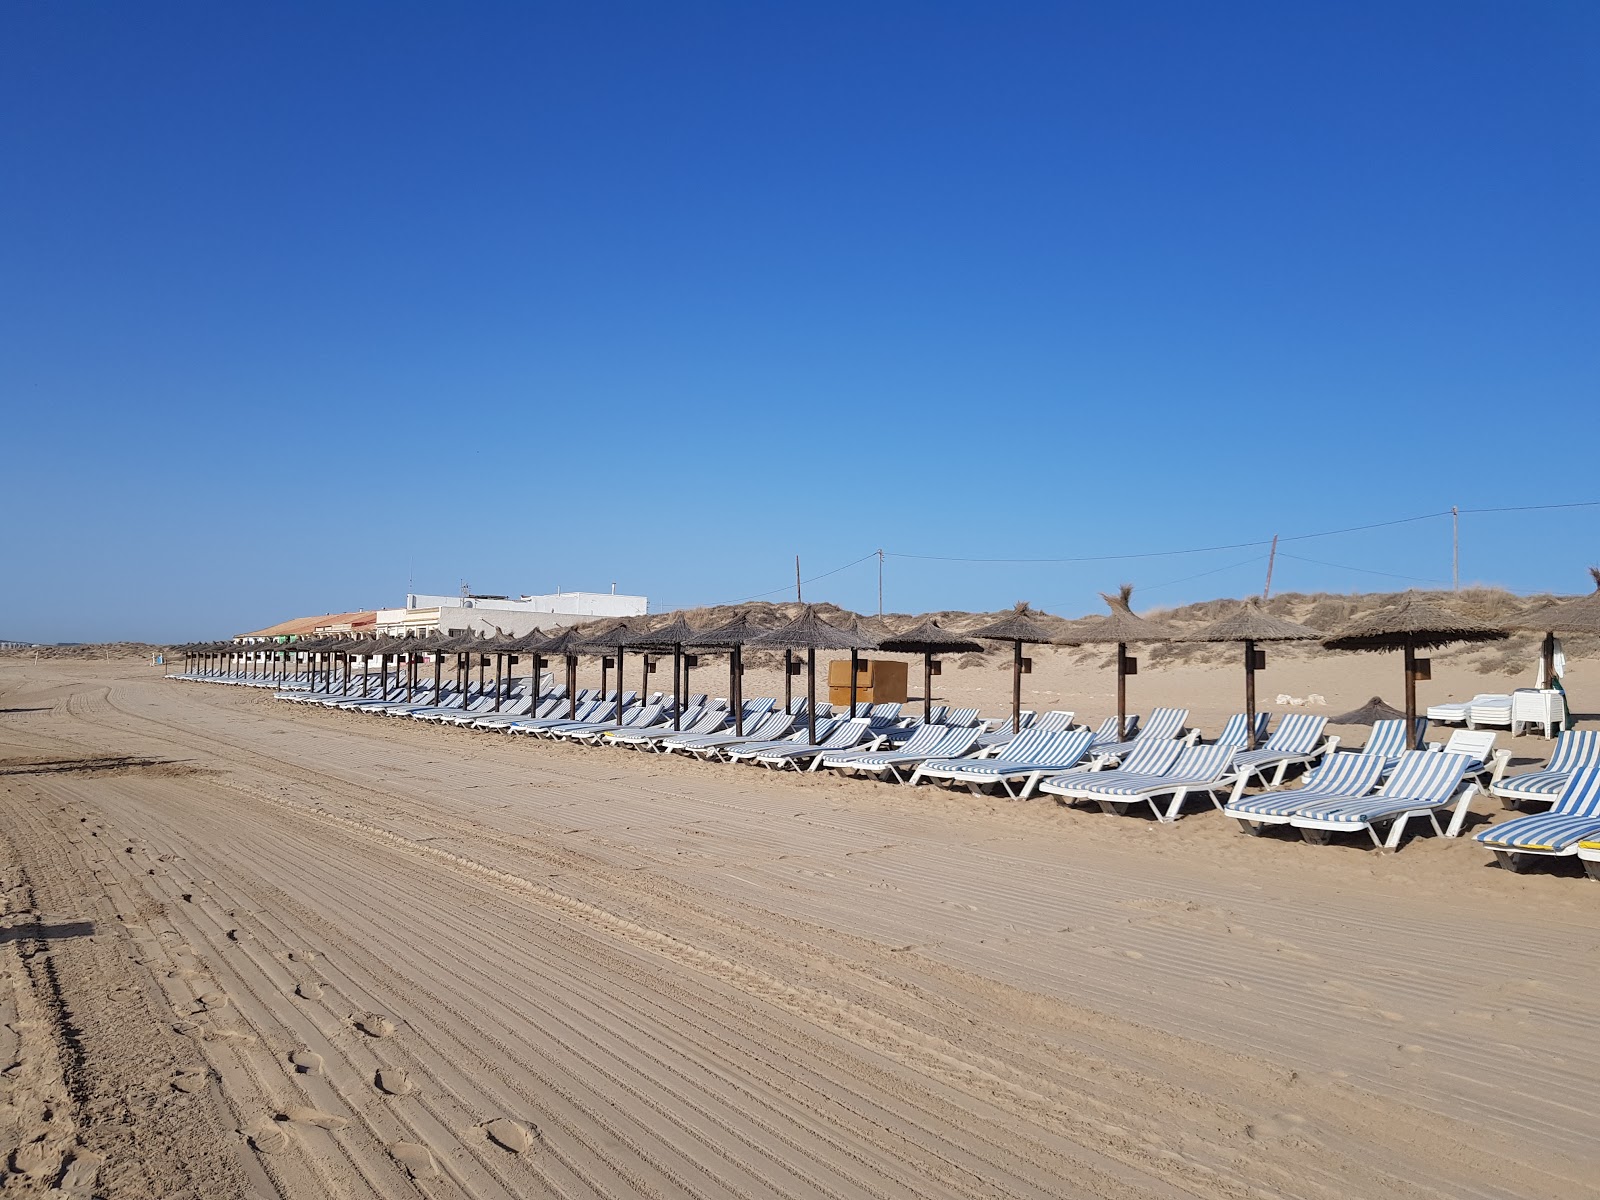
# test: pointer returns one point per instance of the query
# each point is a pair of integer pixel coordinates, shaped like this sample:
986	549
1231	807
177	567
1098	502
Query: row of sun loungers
1380	789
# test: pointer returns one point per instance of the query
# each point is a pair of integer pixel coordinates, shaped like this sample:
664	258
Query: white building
513	615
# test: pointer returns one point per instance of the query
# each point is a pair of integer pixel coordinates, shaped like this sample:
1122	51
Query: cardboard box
880	681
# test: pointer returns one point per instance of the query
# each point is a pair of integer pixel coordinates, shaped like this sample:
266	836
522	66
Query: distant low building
513	615
305	627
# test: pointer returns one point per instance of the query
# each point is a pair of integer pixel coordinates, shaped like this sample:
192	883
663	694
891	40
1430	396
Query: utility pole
1272	557
797	580
880	581
1455	548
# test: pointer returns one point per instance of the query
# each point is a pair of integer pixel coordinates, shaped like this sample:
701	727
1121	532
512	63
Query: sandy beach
253	950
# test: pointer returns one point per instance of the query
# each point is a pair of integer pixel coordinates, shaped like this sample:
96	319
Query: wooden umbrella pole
620	653
499	670
854	672
788	682
1122	691
572	687
927	685
1411	696
1550	659
1250	690
438	678
811	694
736	688
1016	686
677	687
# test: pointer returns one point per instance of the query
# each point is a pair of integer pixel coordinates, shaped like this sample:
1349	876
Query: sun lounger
747	749
1008	727
1054	721
1459	712
769	728
693	721
641	716
930	741
1295	742
589	710
1573	820
1164	723
1478	746
852	733
1017	768
1236	732
1195	769
1574	750
1336	777
1423	783
1152	758
548	707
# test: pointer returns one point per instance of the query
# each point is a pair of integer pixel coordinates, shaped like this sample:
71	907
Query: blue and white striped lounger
1574	818
1295	741
748	749
769	728
1236	732
693	721
1336	777
930	741
852	733
1574	750
1164	724
1196	769
1421	785
1152	759
1018	767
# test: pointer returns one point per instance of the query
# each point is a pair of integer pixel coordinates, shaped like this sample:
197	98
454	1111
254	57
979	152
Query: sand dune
315	954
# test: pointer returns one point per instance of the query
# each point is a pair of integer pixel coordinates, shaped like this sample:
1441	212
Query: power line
1364	570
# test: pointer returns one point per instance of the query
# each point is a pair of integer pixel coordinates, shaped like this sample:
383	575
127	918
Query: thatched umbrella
1122	628
1370	713
1251	625
732	637
532	644
616	640
674	634
566	646
1411	625
1021	625
811	633
1563	616
927	639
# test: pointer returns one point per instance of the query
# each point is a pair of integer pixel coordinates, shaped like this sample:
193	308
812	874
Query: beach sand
252	950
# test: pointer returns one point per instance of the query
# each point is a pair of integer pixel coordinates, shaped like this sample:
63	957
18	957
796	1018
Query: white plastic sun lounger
1574	750
501	721
769	728
1017	768
1336	777
1236	732
1485	762
854	732
747	749
1055	721
693	721
641	716
1295	742
1152	758
1574	819
591	710
930	741
1421	785
1196	769
1164	723
1459	712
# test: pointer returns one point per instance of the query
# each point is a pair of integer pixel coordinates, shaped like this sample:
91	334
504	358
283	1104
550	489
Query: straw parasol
1563	616
1251	625
567	646
1411	625
674	634
927	639
617	639
732	637
1122	628
1370	713
1020	625
811	633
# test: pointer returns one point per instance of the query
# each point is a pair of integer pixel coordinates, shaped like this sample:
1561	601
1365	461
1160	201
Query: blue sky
303	303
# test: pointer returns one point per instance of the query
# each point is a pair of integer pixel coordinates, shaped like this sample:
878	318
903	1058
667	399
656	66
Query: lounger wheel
1509	861
1317	837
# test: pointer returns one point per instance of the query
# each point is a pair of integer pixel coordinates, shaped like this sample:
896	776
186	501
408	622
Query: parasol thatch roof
1021	624
620	634
1251	624
1416	622
1370	713
737	632
1120	625
810	632
565	643
676	632
1565	616
927	638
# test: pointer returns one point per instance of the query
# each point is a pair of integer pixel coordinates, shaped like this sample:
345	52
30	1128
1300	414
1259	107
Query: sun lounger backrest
1476	744
960	718
1109	730
885	712
955	742
761	704
644	715
925	740
709	721
1236	732
1031	745
1152	758
1164	723
1297	733
1202	762
1057	720
848	733
772	725
1345	775
1058	748
1421	775
1581	795
1574	749
1388	738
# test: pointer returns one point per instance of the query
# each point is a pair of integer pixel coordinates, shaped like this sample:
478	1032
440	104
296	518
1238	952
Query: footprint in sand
394	1081
510	1135
307	1062
301	956
418	1160
314	1116
238	935
269	1139
183	973
1276	1126
35	1160
189	1082
210	1000
81	1172
375	1026
309	990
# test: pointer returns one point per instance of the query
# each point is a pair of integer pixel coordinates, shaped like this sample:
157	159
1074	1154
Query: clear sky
300	304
